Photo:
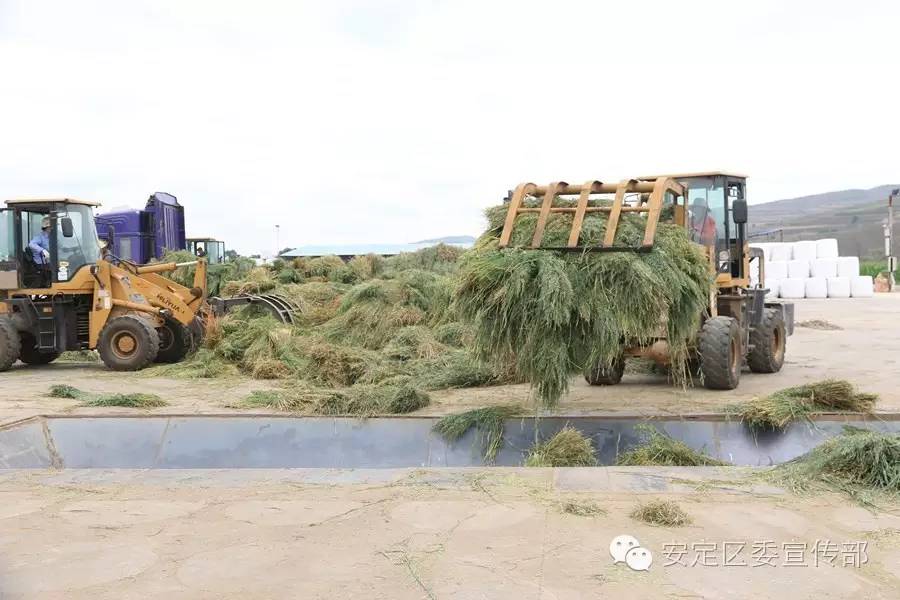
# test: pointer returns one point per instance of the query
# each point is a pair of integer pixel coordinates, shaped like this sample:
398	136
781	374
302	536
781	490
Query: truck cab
140	236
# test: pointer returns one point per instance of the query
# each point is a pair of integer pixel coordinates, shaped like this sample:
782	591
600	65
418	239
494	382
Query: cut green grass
662	513
862	463
658	449
135	400
785	406
568	448
65	391
488	423
364	400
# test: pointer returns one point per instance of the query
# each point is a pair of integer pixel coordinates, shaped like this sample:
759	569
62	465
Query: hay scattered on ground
488	423
581	508
568	448
785	406
658	449
663	513
818	324
360	400
65	391
859	462
555	313
370	324
135	400
79	356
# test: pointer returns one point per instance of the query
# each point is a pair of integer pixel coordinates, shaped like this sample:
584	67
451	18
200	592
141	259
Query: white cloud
365	121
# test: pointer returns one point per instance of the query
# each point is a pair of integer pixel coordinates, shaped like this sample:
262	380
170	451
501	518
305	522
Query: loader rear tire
768	341
720	353
30	355
10	344
128	343
603	375
174	342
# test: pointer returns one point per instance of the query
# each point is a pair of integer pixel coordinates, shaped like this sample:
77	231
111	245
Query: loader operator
40	251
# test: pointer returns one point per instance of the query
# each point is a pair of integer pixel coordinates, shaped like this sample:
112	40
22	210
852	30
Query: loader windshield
83	248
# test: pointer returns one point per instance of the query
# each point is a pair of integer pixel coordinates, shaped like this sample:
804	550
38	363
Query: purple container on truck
142	235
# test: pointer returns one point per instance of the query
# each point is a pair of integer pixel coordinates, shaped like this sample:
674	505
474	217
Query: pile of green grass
555	313
581	508
488	423
785	406
388	331
358	400
134	400
658	449
859	462
662	513
568	448
79	356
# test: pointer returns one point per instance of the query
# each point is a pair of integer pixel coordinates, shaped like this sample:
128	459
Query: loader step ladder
652	194
46	338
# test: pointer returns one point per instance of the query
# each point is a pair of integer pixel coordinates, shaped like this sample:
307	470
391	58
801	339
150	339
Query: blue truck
140	236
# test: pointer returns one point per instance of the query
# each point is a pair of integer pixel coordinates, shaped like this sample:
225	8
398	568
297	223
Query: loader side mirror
66	225
739	211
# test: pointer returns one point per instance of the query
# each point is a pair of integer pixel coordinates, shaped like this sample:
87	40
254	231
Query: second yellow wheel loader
58	293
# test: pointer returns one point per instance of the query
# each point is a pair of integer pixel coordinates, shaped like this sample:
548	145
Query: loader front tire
768	342
10	344
128	343
606	375
30	355
174	342
720	353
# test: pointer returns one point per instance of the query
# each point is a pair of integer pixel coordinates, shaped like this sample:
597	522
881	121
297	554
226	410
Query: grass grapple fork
739	328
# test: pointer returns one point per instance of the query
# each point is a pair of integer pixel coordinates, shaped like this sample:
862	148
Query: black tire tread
606	375
10	345
761	359
181	344
715	349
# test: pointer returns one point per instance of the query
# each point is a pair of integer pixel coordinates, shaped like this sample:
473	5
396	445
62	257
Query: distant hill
854	217
450	239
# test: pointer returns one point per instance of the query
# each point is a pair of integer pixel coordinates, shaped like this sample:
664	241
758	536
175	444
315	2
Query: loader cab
717	217
71	239
212	249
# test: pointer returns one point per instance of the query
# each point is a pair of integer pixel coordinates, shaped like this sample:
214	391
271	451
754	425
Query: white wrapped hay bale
805	250
816	287
848	266
824	267
827	248
780	251
777	269
773	286
838	287
792	288
798	269
862	286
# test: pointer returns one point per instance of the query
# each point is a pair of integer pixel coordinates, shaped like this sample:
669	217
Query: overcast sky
396	120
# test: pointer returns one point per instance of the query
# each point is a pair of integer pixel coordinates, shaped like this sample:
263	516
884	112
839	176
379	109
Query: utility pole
277	240
889	239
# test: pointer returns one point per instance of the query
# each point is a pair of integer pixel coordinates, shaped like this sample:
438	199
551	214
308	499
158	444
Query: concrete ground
457	534
866	351
454	534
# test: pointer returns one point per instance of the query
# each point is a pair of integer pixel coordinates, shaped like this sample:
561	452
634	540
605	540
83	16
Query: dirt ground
451	534
866	351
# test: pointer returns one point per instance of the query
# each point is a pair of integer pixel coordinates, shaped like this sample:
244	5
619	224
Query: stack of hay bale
810	269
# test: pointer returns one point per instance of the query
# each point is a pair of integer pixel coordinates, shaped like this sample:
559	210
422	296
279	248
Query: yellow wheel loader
59	292
740	326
